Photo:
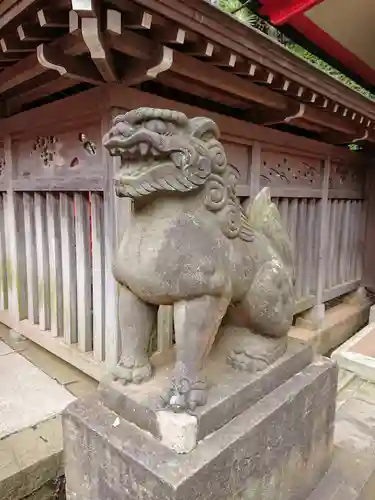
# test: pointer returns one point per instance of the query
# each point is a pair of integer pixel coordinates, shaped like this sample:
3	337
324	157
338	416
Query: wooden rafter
48	18
28	33
12	45
135	45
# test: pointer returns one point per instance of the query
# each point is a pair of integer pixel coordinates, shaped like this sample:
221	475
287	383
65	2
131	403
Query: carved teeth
144	148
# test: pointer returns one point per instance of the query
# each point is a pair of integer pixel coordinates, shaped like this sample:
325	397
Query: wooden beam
77	68
137	20
268	117
135	45
51	19
12	58
16	103
197	89
29	67
28	33
11	44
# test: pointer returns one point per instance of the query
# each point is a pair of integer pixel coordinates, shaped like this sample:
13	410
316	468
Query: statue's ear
201	126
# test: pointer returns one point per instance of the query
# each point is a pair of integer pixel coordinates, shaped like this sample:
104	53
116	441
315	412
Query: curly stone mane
150	139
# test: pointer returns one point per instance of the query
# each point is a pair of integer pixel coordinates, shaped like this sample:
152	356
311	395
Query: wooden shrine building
66	67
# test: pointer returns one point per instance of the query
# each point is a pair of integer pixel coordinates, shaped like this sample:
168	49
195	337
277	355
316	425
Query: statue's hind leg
136	323
196	324
267	312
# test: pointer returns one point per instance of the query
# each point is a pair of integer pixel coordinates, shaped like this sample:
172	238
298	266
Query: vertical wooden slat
97	232
343	257
361	244
352	241
284	212
292	223
69	279
323	234
339	239
42	262
3	258
332	245
55	263
301	246
83	263
310	264
31	259
358	246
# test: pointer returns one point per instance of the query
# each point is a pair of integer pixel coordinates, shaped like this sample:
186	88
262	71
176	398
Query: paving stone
29	459
5	349
28	396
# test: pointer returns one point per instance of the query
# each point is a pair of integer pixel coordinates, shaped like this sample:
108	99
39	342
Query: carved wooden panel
289	170
344	176
71	153
238	157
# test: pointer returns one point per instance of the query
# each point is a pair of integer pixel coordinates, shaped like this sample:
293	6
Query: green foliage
248	17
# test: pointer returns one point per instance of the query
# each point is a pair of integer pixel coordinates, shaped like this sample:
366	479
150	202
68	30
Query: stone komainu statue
190	244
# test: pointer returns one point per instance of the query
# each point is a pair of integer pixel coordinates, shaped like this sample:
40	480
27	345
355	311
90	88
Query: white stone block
178	431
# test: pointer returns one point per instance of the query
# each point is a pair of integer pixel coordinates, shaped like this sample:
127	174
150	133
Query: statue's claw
185	396
132	374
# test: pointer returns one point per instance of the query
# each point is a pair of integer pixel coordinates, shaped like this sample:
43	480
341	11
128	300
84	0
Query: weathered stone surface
178	431
235	393
276	449
190	244
29	459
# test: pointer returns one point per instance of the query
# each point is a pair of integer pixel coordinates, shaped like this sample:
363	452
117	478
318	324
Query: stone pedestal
266	436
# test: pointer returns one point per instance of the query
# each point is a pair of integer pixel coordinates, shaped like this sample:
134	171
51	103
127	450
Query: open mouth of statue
138	159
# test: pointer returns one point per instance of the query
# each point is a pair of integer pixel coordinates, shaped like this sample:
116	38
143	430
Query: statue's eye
157	126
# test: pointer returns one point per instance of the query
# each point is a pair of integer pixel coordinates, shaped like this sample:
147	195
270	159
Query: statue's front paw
132	374
186	396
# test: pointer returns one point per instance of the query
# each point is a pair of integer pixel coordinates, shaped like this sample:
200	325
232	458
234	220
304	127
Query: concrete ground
35	387
38	385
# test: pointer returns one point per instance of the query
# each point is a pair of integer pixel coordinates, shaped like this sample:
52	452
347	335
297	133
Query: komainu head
163	151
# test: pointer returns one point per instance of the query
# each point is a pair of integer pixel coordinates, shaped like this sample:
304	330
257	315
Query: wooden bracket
77	68
89	13
142	71
99	53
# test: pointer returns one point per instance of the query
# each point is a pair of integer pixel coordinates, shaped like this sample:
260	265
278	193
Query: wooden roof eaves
214	24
